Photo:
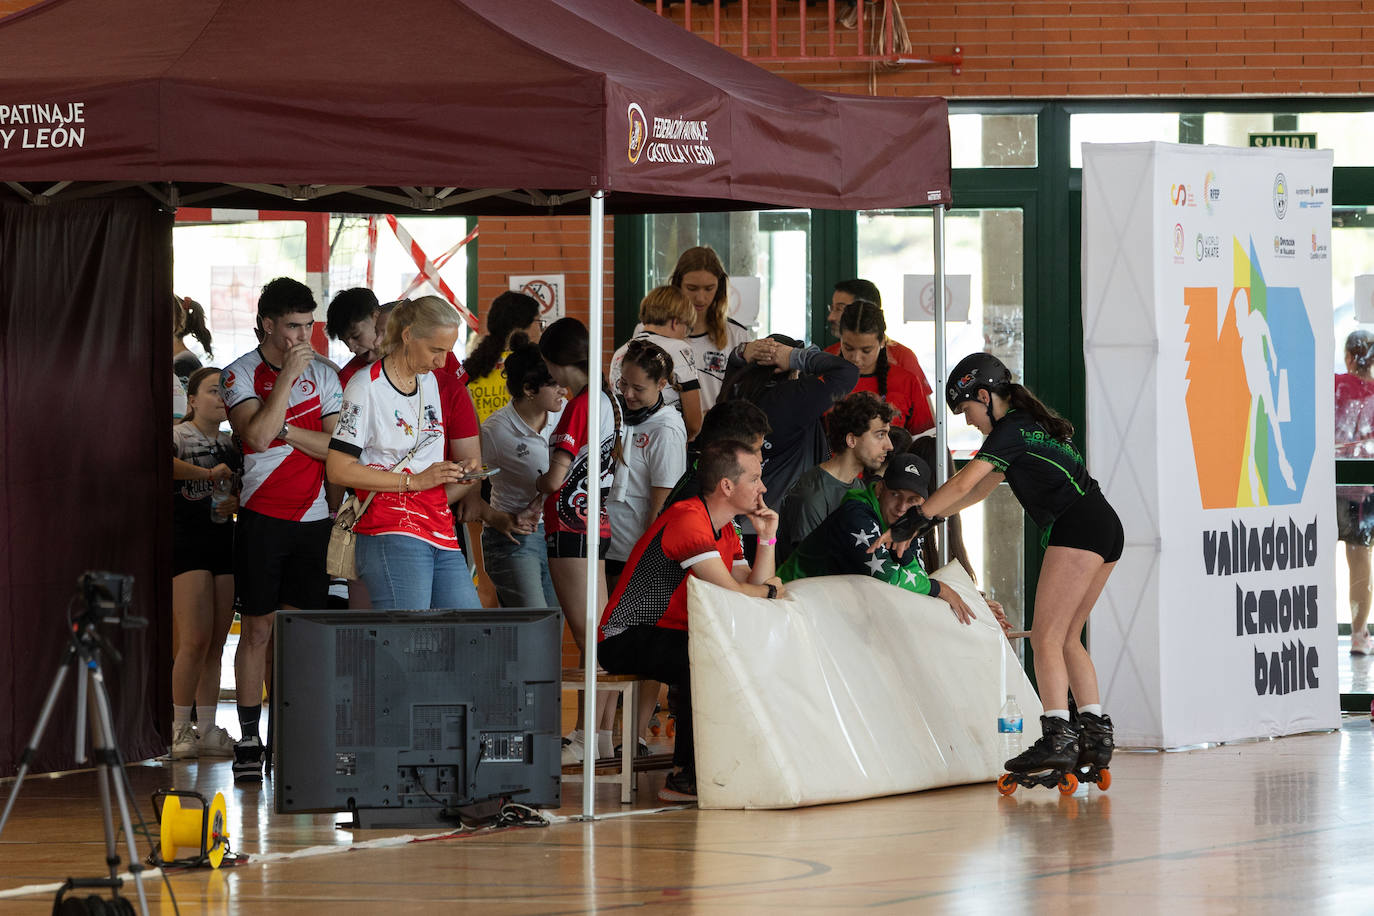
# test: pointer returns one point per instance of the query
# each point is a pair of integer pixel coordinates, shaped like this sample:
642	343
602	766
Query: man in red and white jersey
283	402
644	627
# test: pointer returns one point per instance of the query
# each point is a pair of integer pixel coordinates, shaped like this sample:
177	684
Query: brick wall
1056	48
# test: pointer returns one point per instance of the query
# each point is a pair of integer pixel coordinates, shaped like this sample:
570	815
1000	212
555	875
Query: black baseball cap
907	472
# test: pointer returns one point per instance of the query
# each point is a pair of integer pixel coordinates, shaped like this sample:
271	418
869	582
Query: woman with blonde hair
389	443
701	276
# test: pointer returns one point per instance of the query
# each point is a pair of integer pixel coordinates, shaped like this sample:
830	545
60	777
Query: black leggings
1090	523
661	654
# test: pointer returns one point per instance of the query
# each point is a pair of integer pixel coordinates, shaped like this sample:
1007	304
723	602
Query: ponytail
617	449
510	312
1020	397
194	324
880	372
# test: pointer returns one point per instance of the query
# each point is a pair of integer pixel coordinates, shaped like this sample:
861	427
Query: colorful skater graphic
1251	395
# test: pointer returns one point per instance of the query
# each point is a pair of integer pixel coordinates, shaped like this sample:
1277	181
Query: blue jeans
519	569
407	574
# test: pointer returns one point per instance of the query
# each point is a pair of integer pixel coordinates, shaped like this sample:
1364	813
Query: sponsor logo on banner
1181	195
1319	250
639	131
1285	248
1311	197
1178	243
1251	395
681	141
1280	196
1211	192
1207	247
41	125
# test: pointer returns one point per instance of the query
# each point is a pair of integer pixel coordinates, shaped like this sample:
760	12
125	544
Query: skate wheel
1006	784
1068	784
1104	780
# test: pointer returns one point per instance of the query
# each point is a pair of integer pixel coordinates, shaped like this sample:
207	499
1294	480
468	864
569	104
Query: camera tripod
82	662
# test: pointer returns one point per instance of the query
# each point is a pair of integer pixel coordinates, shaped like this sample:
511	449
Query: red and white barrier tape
428	270
438	262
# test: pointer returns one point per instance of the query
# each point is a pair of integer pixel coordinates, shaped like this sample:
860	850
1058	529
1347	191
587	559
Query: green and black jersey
1046	474
839	546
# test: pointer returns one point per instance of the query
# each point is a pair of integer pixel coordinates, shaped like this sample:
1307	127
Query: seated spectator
858	431
512	318
796	386
846	291
515	440
839	546
643	630
665	317
352	318
863	341
742	421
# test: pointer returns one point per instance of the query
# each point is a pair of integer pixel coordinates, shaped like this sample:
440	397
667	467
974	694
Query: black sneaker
248	760
641	749
680	788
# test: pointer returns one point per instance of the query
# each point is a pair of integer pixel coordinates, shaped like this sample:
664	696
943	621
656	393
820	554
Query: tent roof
455	105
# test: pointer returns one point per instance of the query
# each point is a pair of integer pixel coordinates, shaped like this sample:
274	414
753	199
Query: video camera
107	595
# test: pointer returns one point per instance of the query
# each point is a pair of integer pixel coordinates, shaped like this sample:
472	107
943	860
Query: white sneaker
184	742
573	749
215	742
1360	643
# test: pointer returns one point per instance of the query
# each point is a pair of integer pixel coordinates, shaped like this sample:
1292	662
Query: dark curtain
85	470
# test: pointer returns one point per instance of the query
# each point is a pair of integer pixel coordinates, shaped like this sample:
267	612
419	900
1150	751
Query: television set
404	717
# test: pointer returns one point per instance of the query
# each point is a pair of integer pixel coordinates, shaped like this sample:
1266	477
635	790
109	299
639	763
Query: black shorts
1090	524
570	545
1354	516
209	547
278	562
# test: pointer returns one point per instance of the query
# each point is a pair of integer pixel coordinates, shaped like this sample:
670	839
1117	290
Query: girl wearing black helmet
1030	446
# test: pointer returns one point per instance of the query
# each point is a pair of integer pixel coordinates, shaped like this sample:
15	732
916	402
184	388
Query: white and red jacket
379	425
282	481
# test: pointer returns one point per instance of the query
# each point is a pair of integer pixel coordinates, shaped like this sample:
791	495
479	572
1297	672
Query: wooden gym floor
1281	826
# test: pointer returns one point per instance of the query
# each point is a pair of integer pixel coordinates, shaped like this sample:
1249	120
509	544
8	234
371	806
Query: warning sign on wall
547	289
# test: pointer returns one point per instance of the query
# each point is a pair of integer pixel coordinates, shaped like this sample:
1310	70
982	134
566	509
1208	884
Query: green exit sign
1288	138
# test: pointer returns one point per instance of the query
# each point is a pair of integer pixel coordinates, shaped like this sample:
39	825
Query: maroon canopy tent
459	105
113	114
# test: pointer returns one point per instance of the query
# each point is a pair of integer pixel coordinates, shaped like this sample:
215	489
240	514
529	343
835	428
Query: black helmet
975	371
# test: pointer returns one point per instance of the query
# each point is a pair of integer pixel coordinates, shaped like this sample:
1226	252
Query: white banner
918	297
1208	339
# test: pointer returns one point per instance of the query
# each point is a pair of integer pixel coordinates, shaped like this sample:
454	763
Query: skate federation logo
1251	395
1211	192
639	131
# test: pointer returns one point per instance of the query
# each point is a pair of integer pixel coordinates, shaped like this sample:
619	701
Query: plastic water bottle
1009	728
220	493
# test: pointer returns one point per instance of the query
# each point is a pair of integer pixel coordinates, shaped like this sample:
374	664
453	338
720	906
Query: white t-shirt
509	443
283	481
379	425
655	455
712	361
684	364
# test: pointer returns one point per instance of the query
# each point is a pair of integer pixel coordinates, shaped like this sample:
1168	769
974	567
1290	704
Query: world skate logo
1251	395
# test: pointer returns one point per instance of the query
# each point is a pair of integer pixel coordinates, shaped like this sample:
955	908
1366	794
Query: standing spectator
1355	505
701	277
283	403
858	430
511	314
515	440
863	341
184	362
846	291
796	386
665	317
205	466
352	318
390	442
742	421
643	629
655	453
566	487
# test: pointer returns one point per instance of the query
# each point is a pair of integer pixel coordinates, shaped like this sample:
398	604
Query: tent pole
941	369
595	266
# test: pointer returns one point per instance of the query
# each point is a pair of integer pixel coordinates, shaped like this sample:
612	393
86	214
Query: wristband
772	590
768	543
